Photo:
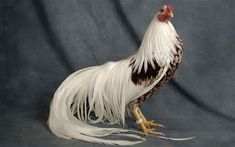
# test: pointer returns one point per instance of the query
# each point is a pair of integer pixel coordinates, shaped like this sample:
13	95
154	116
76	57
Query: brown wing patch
142	77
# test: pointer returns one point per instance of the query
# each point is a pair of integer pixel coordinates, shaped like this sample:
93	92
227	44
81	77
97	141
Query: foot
150	123
145	125
152	131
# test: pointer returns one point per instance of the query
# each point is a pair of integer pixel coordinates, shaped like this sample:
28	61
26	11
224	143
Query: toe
160	125
153	131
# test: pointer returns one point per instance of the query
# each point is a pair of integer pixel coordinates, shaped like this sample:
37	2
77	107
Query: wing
143	81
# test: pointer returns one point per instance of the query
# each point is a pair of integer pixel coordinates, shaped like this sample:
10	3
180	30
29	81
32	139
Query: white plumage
106	90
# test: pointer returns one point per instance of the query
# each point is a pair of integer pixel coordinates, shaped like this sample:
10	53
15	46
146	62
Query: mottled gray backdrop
43	41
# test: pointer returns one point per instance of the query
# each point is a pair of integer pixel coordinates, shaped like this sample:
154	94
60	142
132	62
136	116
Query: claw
160	125
152	123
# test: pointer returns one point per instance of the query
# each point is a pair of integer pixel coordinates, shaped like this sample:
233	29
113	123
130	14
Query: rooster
114	89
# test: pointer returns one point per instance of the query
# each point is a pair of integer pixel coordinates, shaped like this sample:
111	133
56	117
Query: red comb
169	7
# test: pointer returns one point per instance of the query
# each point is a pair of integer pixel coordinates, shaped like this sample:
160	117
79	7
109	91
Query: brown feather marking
139	78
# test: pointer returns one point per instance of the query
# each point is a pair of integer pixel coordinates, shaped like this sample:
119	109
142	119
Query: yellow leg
141	119
148	123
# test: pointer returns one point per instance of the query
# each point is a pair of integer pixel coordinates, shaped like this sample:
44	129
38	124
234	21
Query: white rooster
113	89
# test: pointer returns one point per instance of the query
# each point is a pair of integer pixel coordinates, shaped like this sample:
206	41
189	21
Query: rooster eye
161	10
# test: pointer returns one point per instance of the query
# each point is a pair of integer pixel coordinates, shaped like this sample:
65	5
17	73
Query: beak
171	14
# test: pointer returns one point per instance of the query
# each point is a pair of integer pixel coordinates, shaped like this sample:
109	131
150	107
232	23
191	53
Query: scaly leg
143	127
148	123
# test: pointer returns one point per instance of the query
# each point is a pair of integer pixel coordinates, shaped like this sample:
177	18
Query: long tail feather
71	99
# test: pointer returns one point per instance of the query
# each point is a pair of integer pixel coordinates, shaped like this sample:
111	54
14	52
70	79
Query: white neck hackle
158	44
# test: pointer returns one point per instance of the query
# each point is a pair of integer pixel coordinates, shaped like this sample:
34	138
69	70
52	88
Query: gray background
43	41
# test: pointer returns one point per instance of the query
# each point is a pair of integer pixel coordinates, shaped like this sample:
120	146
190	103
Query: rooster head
165	13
